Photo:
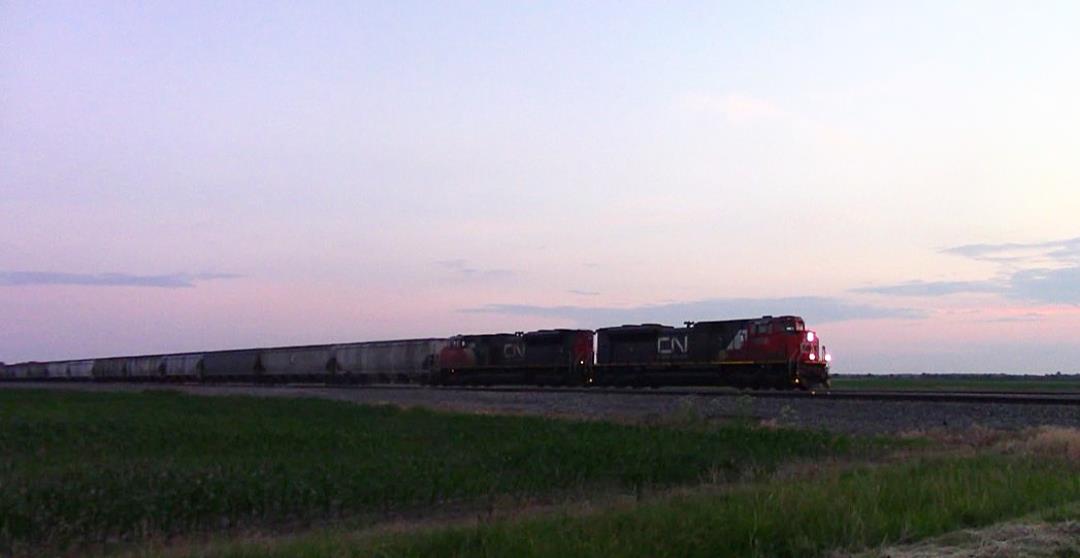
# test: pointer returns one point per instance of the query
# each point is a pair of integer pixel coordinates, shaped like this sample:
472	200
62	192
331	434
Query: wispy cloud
583	293
1055	286
1029	317
463	268
813	309
1065	251
1042	272
168	281
934	288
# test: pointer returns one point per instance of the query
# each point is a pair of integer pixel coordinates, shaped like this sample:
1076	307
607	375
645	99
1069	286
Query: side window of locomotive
761	329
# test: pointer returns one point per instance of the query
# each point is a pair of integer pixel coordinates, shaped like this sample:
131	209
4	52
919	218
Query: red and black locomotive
767	352
548	357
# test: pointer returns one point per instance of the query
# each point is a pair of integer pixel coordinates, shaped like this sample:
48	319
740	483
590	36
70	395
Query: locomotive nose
813	352
811	348
813	363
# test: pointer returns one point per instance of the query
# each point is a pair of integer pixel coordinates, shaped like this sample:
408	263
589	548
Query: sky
183	176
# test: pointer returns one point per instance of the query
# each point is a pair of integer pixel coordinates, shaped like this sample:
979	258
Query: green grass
79	468
866	507
958	382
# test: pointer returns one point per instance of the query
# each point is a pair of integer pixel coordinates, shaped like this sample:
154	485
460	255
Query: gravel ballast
847	416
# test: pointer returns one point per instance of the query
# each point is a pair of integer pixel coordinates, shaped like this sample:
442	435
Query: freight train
767	352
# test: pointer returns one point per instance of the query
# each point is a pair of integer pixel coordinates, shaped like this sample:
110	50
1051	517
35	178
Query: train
777	352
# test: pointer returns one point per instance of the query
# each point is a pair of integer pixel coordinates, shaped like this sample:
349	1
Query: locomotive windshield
794	326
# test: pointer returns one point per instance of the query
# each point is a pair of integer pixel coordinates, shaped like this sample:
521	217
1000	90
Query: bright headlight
810	337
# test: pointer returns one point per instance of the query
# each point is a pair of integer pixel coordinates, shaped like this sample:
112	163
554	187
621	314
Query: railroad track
1015	397
1041	398
1002	397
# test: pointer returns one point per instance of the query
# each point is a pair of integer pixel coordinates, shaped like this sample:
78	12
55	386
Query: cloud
934	288
169	281
1065	251
1041	272
813	309
735	107
583	293
1055	286
464	269
1029	317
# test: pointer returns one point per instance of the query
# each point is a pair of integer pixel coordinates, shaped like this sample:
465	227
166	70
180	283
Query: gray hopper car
146	368
402	361
185	367
110	369
298	363
224	366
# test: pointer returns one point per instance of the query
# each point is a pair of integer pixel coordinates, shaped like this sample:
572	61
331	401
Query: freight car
405	361
777	352
110	369
183	367
146	368
313	363
36	371
546	357
80	370
230	366
69	370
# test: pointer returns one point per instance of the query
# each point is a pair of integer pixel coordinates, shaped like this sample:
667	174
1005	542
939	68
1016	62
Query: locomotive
767	352
545	357
773	352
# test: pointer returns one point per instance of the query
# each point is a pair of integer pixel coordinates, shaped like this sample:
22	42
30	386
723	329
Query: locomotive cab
807	359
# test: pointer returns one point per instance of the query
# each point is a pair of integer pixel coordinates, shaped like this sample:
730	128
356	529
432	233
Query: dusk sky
181	176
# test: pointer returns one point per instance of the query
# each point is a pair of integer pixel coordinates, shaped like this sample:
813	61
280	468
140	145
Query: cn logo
738	342
672	344
513	351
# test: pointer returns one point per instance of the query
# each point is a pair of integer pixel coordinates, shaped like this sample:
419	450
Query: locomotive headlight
809	337
813	356
828	357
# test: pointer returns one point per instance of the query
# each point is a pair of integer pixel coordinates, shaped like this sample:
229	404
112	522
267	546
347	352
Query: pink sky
198	176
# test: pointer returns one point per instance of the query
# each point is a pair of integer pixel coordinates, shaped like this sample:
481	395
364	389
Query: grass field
100	467
176	475
849	510
958	382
